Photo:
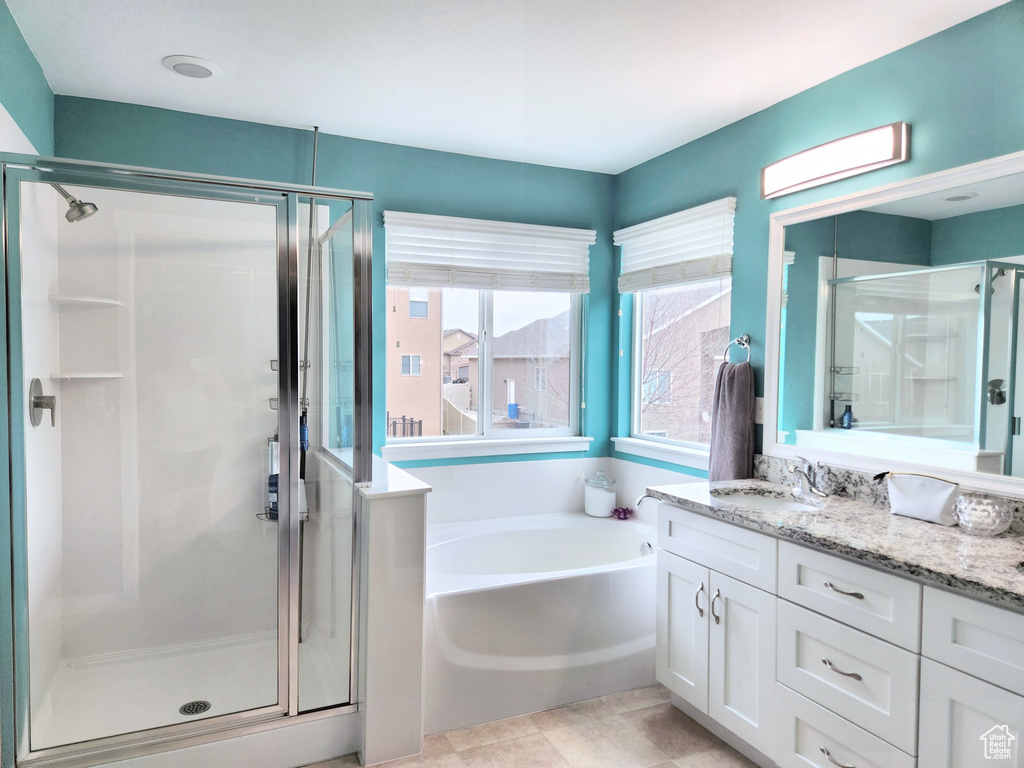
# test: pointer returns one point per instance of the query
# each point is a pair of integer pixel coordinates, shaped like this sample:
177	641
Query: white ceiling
1002	192
598	85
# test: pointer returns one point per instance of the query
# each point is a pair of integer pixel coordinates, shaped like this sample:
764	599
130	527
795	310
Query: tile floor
635	729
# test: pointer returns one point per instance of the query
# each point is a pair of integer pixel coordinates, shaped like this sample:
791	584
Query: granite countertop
983	568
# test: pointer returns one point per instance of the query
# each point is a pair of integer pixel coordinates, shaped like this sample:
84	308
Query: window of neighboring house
657	386
678	269
410	365
419	302
504	305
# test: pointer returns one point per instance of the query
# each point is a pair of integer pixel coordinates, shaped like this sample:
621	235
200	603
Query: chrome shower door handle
38	402
828	756
696	600
715	616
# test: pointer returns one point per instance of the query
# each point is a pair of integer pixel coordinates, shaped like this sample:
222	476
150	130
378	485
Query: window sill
459	449
695	458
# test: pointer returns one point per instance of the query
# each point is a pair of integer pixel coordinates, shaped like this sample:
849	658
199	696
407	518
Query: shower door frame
14	662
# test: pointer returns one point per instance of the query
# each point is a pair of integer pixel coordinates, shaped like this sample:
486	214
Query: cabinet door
741	678
681	652
966	722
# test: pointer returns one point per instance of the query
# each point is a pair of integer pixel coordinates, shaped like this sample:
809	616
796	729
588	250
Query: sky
512	309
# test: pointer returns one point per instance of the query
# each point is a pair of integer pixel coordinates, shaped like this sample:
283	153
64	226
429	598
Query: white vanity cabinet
972	684
715	632
816	660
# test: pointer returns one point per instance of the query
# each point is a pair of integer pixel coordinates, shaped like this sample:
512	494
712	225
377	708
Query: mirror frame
973	173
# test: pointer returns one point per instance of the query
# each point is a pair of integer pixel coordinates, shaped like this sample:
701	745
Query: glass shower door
146	398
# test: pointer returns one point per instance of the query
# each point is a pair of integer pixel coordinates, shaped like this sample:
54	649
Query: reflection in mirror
899	330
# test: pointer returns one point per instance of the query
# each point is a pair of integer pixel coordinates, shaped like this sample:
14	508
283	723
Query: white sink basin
769	503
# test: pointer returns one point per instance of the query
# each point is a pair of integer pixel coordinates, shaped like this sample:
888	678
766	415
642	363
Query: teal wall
400	178
961	91
24	92
985	235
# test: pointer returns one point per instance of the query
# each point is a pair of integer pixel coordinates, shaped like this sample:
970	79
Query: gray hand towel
732	423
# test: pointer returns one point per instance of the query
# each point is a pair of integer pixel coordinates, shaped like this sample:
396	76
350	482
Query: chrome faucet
805	479
642	499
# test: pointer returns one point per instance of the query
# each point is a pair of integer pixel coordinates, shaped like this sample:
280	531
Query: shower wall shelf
100	375
85	301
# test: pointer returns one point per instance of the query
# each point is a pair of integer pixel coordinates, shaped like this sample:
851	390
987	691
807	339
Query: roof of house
546	337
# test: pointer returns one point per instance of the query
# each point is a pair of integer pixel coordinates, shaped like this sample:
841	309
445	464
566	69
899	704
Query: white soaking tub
533	612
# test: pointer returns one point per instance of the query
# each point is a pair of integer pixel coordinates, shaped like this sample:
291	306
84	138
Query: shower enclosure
930	353
177	569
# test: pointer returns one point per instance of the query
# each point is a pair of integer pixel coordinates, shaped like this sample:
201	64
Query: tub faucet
805	479
642	499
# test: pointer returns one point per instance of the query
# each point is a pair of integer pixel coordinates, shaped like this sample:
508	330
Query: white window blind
445	251
695	244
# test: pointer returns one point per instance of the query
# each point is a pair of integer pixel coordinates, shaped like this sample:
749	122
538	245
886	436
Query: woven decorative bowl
981	515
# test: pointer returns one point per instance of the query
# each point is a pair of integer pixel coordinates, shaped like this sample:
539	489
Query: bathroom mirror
895	320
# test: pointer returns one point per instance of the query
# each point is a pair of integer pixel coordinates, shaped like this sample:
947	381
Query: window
535	344
657	386
501	340
679	269
540	378
419	302
681	333
410	365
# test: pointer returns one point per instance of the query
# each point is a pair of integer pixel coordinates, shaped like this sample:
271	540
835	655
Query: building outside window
657	386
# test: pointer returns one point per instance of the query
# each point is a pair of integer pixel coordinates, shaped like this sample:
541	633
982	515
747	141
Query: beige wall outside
418	397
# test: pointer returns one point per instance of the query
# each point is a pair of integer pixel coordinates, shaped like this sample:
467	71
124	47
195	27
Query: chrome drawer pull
696	600
833	668
718	594
828	756
834	588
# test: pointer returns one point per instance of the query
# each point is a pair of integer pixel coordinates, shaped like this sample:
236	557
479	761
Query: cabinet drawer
881	604
744	555
805	728
980	639
868	681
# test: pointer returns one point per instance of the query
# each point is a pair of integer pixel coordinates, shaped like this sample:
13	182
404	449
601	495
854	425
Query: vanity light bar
849	156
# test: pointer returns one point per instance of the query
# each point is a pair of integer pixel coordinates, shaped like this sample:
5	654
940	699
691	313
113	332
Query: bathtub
529	613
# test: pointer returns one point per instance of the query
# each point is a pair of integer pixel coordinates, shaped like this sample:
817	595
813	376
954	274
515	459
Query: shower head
77	210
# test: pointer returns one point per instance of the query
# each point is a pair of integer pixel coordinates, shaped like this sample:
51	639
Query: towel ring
743	342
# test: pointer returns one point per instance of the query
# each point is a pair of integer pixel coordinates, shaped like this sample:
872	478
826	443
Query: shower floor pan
100	696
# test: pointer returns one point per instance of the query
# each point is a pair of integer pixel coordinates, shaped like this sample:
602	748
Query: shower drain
194	708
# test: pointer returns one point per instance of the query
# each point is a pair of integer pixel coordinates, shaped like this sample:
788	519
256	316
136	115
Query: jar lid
600	480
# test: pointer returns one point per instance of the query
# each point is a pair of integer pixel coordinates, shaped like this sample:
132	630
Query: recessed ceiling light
961	197
190	66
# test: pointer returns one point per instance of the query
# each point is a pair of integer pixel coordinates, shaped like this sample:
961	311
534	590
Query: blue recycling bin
513	410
